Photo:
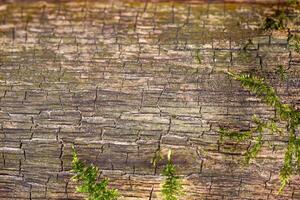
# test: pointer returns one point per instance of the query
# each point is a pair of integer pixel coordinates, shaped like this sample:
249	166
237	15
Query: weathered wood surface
119	80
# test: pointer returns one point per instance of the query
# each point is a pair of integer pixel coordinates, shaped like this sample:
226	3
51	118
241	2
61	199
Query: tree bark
120	81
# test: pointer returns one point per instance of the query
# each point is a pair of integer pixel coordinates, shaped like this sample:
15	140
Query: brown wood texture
119	80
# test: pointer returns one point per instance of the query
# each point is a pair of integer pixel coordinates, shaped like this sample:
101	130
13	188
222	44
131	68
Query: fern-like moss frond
172	187
87	176
286	113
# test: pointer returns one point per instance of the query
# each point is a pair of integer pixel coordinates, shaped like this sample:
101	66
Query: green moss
286	113
294	42
172	186
88	176
281	71
277	21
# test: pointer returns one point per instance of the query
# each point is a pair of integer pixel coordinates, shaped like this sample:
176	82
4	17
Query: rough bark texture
119	80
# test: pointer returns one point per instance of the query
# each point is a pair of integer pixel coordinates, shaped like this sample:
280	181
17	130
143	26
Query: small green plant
285	113
282	72
277	21
294	42
255	135
172	186
90	185
282	16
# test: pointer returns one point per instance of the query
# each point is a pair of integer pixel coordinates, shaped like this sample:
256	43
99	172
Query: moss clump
277	21
172	186
286	113
294	42
88	178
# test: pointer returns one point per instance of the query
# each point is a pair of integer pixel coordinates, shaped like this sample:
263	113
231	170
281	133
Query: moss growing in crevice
172	187
90	185
285	114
